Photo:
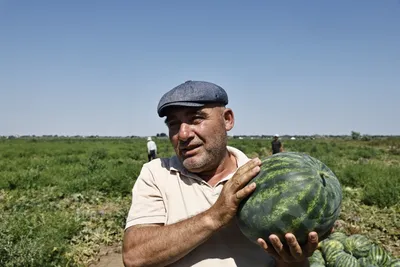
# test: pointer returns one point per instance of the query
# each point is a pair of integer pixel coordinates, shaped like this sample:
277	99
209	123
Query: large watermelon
295	193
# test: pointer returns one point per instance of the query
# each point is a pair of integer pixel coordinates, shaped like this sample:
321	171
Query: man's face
199	135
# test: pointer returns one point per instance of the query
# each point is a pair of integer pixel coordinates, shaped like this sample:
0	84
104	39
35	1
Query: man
151	149
183	208
276	145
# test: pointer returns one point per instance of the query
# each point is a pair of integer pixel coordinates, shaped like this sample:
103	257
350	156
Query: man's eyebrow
189	112
168	119
199	112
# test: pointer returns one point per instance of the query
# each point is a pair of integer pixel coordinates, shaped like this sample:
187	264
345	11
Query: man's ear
229	119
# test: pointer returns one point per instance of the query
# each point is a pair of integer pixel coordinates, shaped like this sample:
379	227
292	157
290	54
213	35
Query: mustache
185	145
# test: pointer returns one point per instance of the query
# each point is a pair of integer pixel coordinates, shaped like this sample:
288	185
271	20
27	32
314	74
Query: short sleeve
147	202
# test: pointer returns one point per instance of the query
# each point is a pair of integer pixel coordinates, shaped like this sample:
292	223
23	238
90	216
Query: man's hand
293	253
234	191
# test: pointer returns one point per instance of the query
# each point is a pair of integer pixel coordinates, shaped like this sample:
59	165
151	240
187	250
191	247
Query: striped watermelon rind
331	246
295	193
394	263
317	257
331	258
367	262
357	245
340	236
346	260
379	255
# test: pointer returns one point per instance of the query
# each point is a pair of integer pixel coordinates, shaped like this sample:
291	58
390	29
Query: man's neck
227	166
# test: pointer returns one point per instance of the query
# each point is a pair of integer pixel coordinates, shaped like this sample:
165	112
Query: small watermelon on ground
379	255
295	193
357	245
346	260
367	262
376	256
394	263
331	258
317	257
322	243
340	236
330	246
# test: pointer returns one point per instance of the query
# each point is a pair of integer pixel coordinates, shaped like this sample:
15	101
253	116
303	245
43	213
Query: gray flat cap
192	94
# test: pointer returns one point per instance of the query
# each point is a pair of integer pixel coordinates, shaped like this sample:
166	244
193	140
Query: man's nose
185	132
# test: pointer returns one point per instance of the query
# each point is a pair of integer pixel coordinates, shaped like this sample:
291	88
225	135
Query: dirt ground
109	257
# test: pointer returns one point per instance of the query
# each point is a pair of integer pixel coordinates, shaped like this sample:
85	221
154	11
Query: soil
109	257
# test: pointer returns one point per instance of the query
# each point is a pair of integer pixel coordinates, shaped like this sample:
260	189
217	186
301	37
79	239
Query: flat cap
192	94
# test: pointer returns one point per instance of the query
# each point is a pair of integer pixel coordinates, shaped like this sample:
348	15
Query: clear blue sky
289	67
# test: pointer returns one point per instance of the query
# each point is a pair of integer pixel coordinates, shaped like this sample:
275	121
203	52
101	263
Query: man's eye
171	123
197	119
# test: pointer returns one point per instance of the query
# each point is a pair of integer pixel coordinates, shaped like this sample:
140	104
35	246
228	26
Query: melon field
64	200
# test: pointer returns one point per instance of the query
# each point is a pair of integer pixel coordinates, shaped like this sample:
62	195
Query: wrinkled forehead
174	112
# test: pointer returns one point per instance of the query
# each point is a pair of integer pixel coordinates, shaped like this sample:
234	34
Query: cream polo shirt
165	192
151	145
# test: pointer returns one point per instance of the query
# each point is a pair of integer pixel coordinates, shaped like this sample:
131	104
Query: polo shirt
276	146
165	192
151	145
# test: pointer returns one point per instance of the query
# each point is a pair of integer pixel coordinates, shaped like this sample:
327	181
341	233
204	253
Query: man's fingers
241	194
294	247
261	242
279	248
249	166
292	252
312	244
238	185
245	173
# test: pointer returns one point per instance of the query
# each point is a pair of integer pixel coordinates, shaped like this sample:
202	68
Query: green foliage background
61	200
